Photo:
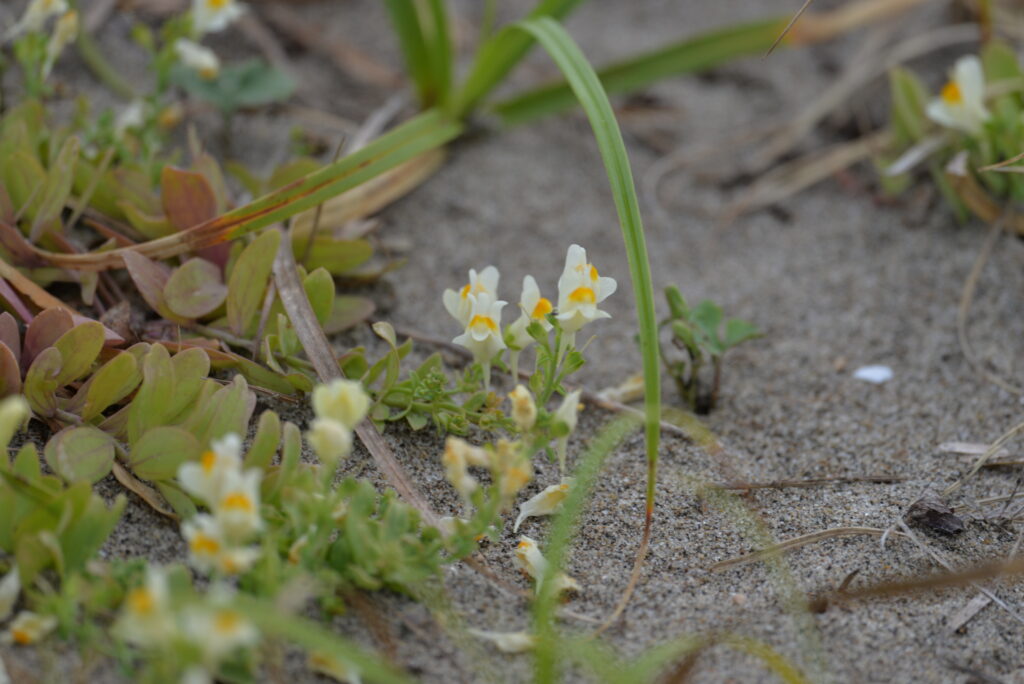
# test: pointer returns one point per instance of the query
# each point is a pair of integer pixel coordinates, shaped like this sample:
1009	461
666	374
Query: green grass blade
591	95
687	56
498	55
439	49
424	132
405	17
562	530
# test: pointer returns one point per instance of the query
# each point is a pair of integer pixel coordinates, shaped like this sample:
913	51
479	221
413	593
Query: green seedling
704	338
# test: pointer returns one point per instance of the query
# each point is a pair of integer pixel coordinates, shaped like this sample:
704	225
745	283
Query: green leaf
676	303
319	287
292	171
57	189
188	198
227	410
338	257
114	381
41	382
708	317
195	289
78	349
80	454
348	311
503	51
690	55
249	277
88	528
10	372
179	500
264	444
252	83
159	453
737	331
588	90
909	98
151	226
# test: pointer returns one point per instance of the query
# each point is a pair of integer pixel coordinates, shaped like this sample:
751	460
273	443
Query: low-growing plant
703	336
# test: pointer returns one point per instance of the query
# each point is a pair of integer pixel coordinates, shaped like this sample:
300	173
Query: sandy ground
836	280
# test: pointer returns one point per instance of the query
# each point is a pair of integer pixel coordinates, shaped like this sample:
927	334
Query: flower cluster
477	309
217	540
151	619
508	462
34	20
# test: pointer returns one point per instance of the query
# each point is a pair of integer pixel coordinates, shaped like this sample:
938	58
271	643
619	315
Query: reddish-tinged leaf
187	197
195	289
10	372
45	329
80	454
249	278
151	278
12	300
10	335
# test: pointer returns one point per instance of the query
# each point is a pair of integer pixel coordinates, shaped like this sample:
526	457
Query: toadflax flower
546	502
961	102
580	289
146	615
331	440
29	628
238	507
35	16
195	56
524	409
565	419
533	308
205	477
219	630
483	331
64	33
211	16
458	456
531	561
208	550
458	303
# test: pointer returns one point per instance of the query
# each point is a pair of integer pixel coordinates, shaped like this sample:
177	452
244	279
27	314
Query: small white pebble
875	374
738	599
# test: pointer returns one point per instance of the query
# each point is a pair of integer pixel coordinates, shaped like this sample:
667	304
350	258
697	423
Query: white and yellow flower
533	308
64	33
483	331
580	289
219	630
530	560
524	409
961	102
547	501
342	400
512	467
29	628
10	588
211	16
237	509
205	478
507	642
197	57
458	303
334	667
205	541
565	418
146	615
35	16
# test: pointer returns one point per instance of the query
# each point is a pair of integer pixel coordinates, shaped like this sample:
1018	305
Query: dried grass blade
797	542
